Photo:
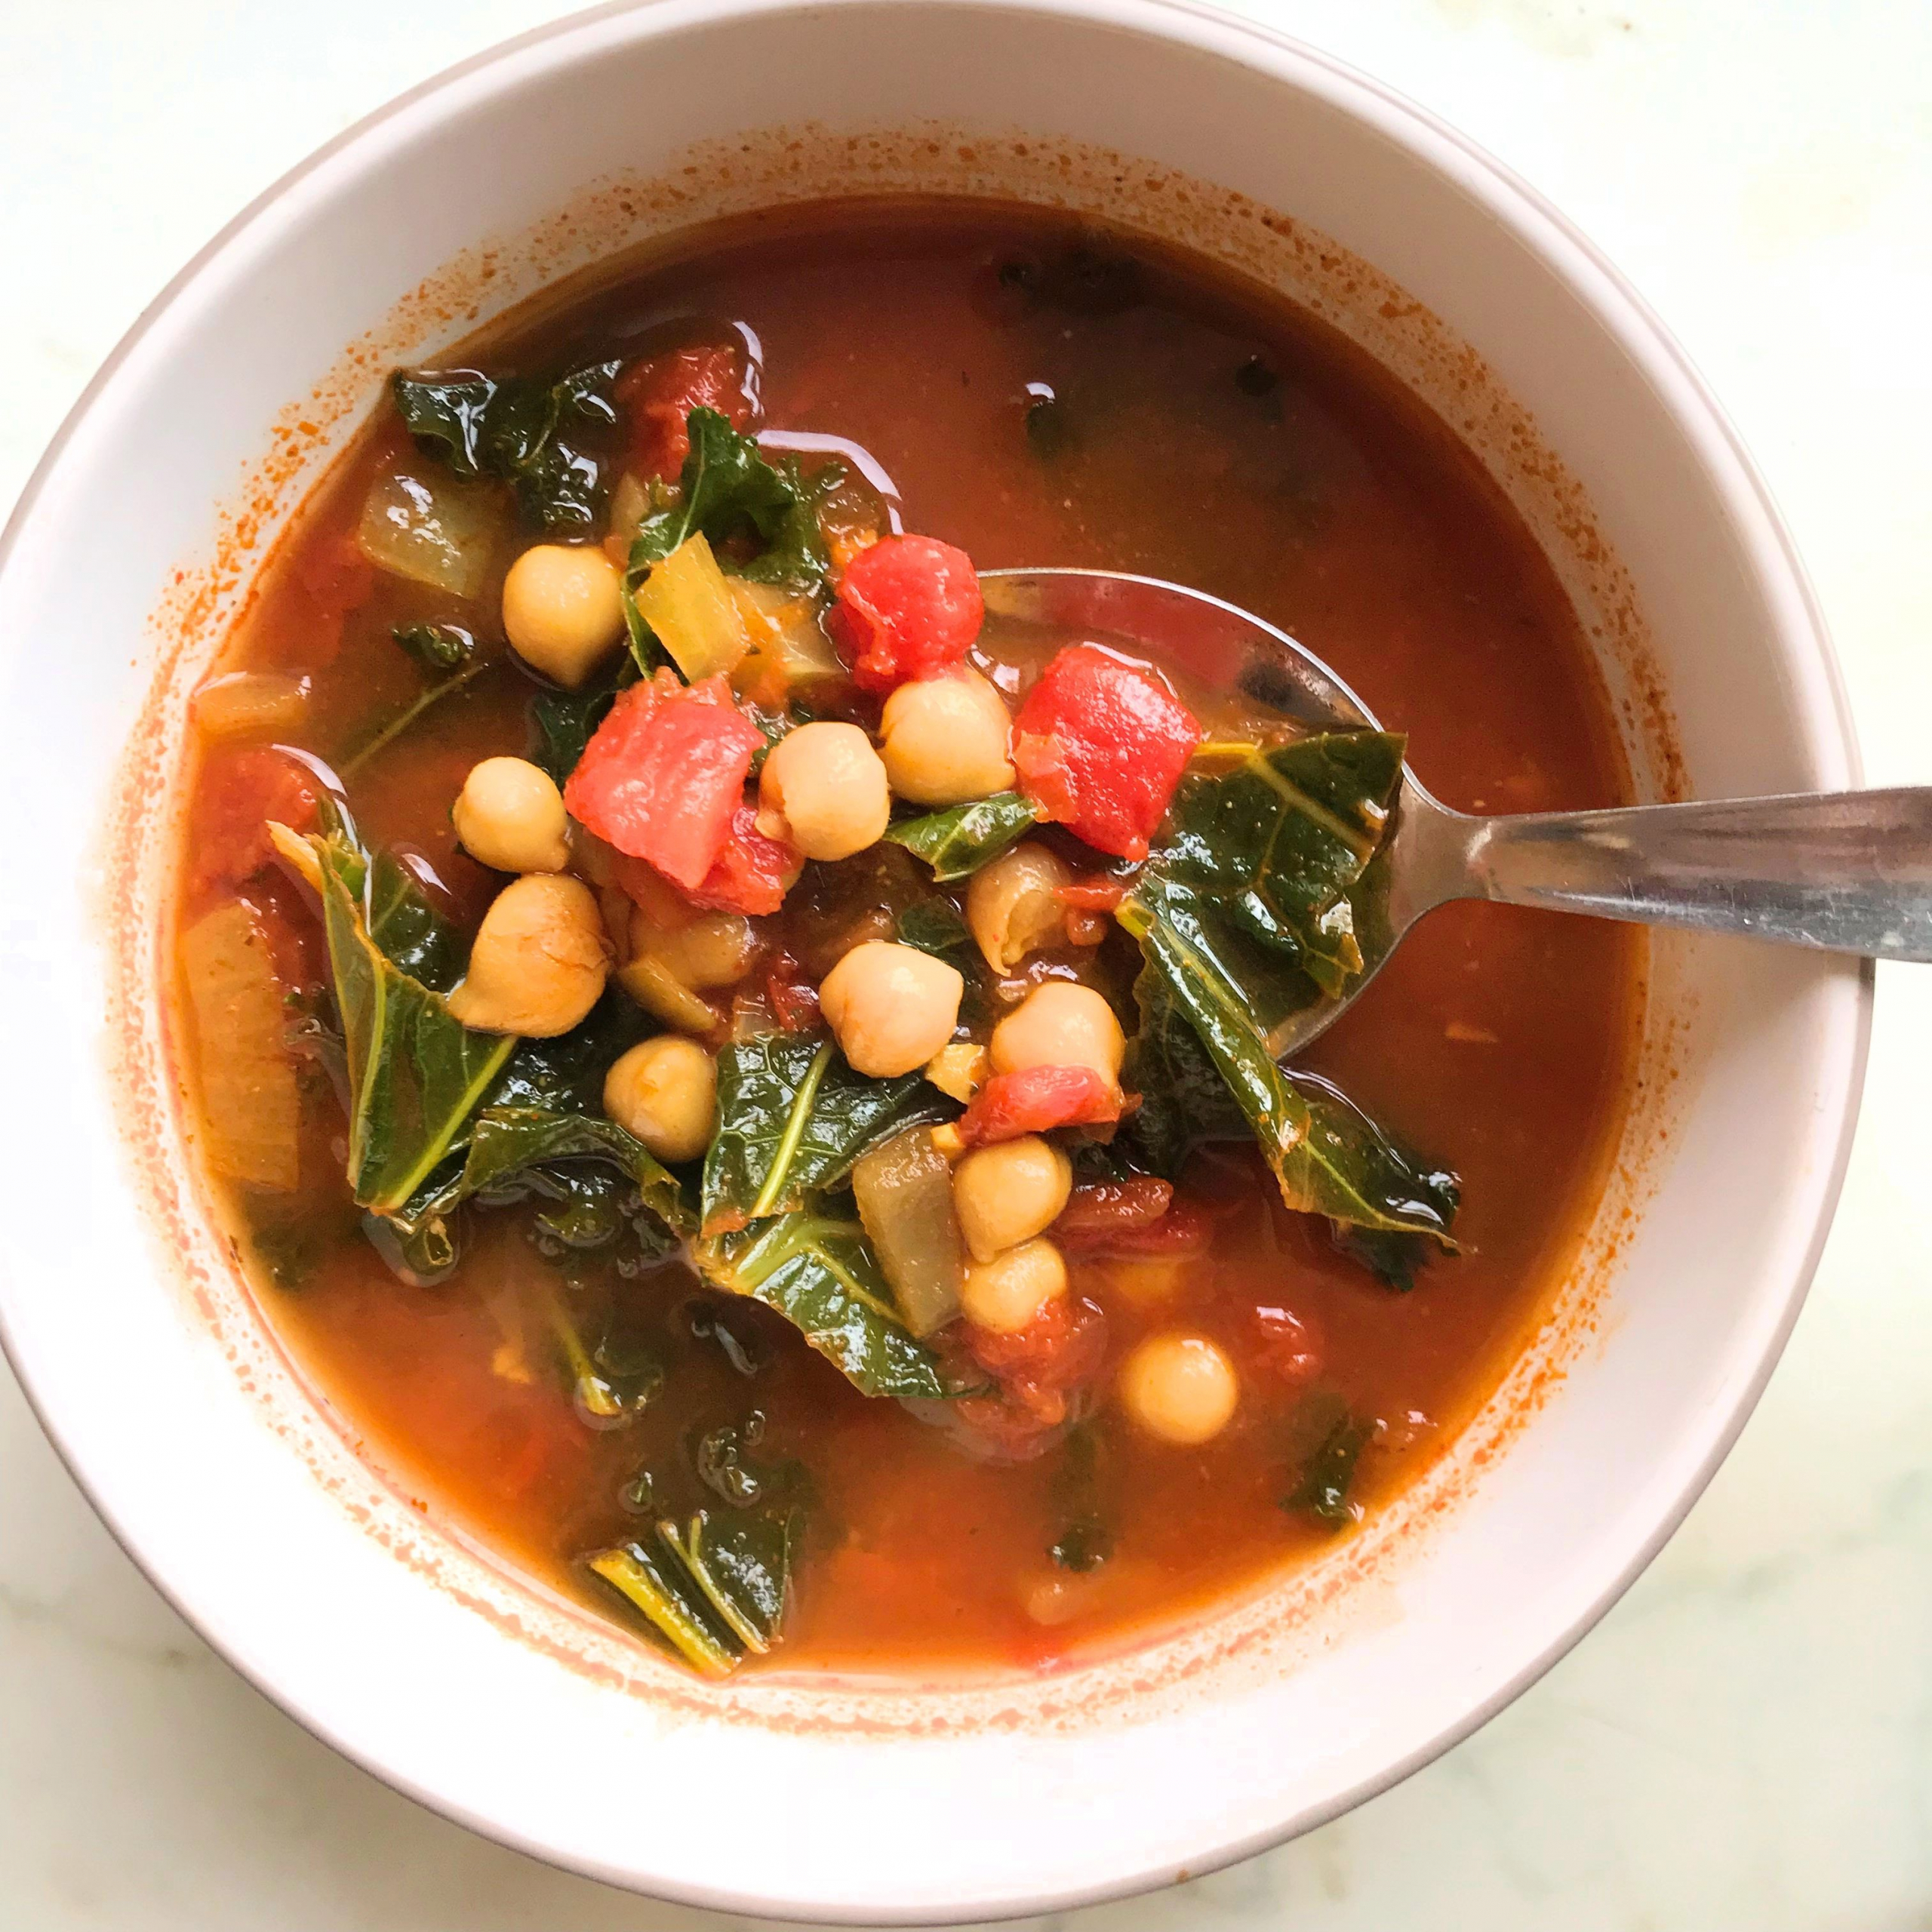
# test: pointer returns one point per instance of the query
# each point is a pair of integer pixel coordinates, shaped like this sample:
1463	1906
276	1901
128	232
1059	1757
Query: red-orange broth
1200	431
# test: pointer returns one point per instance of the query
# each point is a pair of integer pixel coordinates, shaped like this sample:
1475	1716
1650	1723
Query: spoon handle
1849	871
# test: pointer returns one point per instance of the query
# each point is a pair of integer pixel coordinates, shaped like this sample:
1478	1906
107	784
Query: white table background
1746	1741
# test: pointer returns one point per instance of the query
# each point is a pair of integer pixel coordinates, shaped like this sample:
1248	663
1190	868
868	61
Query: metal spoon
1847	872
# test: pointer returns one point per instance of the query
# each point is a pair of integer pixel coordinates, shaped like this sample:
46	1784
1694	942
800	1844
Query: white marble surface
1746	1742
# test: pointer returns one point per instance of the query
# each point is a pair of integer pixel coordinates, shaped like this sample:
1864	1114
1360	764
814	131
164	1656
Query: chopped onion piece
431	528
251	704
788	645
904	1192
687	602
249	1102
654	988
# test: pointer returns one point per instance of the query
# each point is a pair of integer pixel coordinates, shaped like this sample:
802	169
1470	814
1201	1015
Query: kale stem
407	716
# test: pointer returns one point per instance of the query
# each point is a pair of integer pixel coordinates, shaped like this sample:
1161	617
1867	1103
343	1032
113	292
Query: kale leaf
1271	848
437	647
1328	1157
729	489
416	1075
526	432
565	721
792	1118
714	1589
959	841
820	1273
934	925
1244	917
1329	1440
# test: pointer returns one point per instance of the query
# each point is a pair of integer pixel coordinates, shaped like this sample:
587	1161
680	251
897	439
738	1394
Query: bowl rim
1548	234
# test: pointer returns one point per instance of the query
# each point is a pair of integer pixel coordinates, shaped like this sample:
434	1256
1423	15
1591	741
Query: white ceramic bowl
359	1611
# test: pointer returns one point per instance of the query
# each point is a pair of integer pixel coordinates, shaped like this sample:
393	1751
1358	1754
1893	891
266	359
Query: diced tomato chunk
1105	1207
793	997
1099	744
1036	1370
1143	1215
751	874
665	775
657	394
909	606
1038	1099
240	791
1289	1347
1060	1348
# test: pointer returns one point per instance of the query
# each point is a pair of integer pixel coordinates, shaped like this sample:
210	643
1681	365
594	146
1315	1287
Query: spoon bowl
1844	872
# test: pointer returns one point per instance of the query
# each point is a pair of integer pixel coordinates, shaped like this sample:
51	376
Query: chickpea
511	816
1013	904
539	959
944	739
1005	1294
664	1091
1180	1388
1148	1280
823	790
1007	1193
1058	1024
891	1006
563	609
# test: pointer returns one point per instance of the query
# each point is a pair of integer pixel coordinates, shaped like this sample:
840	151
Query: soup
750	1087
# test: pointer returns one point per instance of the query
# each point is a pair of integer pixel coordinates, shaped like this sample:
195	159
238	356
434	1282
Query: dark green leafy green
1244	919
1328	1159
506	1142
565	721
1049	427
379	739
528	433
1184	1102
724	1466
728	490
580	1208
417	1074
437	648
1083	1545
934	925
406	926
819	1273
1272	848
1085	1542
1329	1443
1394	1259
958	841
714	1589
612	1381
793	1117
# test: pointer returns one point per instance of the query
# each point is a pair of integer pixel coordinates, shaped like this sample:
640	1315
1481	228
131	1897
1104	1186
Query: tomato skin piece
664	774
793	997
240	793
1100	893
1036	1370
908	607
1129	1218
1037	1099
1099	745
657	394
752	873
1287	1345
